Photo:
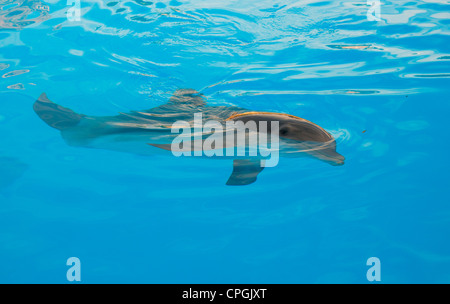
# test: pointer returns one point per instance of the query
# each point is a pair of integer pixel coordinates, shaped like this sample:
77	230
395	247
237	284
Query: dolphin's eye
284	131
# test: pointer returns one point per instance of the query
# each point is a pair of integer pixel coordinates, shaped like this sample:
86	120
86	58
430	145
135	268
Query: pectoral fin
244	172
195	146
167	147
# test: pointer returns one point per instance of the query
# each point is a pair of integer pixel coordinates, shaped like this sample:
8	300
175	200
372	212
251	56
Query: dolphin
141	132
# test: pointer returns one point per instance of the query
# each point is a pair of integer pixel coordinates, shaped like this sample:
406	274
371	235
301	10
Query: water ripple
16	14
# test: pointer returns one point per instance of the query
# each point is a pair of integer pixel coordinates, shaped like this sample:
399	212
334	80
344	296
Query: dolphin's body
142	132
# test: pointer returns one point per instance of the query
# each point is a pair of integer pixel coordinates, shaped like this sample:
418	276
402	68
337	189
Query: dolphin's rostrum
141	132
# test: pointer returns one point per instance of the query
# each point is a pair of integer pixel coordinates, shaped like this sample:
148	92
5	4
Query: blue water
380	87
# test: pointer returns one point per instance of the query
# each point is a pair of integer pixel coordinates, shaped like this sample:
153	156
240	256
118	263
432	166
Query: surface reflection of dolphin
142	132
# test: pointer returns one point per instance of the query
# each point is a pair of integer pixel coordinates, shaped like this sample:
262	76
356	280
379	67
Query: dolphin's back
54	115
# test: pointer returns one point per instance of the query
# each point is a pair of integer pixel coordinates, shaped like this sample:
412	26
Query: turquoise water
380	87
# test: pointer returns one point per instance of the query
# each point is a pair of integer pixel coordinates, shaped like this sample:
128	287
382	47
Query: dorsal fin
189	97
183	100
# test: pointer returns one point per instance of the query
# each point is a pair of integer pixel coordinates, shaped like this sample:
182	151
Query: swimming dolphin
141	132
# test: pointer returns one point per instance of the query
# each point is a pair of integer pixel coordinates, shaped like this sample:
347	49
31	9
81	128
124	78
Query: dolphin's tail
54	115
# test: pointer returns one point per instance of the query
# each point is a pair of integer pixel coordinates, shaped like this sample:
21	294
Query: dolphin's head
297	135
